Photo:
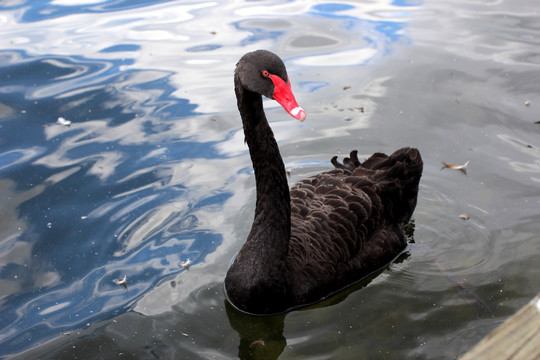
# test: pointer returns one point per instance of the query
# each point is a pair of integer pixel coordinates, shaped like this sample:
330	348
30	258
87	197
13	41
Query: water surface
153	170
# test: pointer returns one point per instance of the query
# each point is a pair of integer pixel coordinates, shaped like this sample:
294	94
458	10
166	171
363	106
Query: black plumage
329	230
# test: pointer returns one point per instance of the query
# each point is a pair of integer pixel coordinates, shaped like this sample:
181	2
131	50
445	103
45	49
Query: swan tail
409	157
399	175
349	163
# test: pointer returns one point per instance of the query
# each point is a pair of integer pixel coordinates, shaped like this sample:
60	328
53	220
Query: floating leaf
122	282
185	264
462	168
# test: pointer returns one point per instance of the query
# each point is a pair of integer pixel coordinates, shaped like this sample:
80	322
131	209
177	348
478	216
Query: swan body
329	230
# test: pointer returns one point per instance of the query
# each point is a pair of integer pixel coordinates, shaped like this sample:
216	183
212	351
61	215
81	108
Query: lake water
152	170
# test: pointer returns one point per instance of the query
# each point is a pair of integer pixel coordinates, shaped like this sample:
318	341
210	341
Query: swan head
263	72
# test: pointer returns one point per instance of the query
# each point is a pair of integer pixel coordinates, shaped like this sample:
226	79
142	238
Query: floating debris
359	109
185	264
62	121
527	103
464	216
347	87
65	333
462	168
49	225
84	217
257	342
122	282
184	334
288	172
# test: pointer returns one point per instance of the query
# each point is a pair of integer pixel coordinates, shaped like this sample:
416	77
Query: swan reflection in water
261	337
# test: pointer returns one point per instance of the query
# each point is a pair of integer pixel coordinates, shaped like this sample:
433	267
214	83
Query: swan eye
265	73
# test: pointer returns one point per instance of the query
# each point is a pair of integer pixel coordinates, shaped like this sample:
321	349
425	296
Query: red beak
284	96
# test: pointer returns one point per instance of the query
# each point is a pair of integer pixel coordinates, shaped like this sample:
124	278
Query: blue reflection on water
40	10
332	7
79	213
121	47
391	29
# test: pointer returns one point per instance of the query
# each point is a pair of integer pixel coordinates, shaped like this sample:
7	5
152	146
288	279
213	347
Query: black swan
330	230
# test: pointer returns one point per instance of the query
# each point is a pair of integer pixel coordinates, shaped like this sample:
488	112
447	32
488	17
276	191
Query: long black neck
273	209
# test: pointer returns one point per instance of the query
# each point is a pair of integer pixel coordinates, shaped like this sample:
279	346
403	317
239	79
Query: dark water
153	171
